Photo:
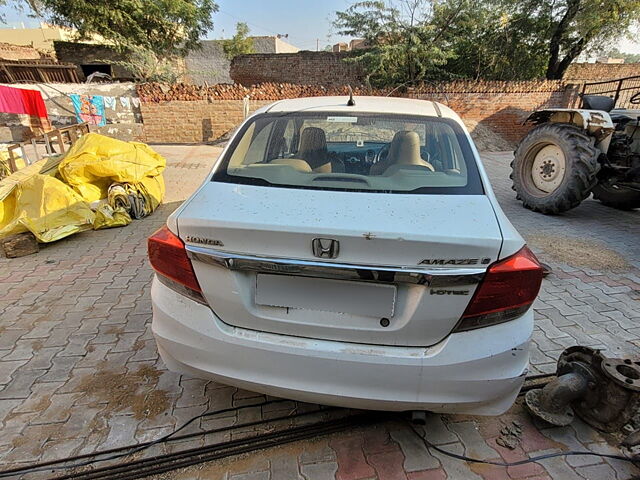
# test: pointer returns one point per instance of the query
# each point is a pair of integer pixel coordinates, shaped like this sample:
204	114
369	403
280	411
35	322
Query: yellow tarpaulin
96	161
51	197
47	208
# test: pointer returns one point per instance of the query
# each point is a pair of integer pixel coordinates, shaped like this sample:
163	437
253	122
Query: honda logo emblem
325	247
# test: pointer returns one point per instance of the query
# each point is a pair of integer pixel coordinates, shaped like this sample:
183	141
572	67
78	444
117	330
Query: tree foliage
403	43
163	27
492	39
240	43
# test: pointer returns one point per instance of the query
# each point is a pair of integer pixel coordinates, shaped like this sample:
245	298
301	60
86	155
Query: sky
307	22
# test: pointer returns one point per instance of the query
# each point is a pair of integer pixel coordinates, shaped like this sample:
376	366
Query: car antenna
351	102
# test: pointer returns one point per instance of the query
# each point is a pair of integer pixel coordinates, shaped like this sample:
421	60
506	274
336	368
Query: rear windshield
355	152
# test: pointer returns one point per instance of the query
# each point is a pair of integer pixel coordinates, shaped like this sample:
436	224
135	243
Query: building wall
284	47
304	68
502	106
207	64
593	72
195	121
39	38
87	53
124	123
18	52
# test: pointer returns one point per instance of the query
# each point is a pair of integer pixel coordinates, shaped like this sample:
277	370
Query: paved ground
79	371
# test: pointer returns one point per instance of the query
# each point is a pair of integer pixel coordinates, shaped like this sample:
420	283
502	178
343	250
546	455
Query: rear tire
619	197
555	168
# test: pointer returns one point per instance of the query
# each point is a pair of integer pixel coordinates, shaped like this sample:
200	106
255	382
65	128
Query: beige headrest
313	147
405	149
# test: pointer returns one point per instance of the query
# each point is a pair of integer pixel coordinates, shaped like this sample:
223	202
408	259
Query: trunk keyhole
384	322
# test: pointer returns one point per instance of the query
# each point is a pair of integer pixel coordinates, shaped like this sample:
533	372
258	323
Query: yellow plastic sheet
51	197
46	207
107	217
96	161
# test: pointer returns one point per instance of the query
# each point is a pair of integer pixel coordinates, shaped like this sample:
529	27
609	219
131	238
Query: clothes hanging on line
89	108
110	102
22	101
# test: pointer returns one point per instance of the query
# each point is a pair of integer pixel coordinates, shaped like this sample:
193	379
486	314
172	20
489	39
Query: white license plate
340	296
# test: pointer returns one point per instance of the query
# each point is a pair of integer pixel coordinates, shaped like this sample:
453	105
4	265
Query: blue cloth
89	108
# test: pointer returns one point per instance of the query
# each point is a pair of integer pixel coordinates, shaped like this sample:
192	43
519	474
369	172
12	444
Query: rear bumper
477	372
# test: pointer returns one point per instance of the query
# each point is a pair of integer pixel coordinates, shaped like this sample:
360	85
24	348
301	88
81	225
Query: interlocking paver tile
81	307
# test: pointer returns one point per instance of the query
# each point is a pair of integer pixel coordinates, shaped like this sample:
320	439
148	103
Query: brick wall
207	63
600	71
304	68
503	106
17	52
195	121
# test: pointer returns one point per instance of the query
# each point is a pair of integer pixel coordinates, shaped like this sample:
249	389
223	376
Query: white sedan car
352	255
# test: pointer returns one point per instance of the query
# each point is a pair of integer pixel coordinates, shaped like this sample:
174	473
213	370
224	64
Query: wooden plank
35	149
19	245
8	73
12	159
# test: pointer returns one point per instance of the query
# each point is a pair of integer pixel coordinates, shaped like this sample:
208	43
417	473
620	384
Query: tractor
572	153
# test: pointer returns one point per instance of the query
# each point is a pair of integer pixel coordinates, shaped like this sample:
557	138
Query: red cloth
33	103
19	100
11	100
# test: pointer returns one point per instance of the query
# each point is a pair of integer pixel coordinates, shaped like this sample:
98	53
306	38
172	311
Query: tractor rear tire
554	168
619	197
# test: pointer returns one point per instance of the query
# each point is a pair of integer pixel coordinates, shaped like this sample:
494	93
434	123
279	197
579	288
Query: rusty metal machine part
602	391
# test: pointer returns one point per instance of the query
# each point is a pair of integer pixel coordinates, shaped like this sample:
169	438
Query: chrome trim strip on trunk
435	278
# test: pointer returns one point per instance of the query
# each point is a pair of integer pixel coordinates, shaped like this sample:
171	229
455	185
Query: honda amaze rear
351	255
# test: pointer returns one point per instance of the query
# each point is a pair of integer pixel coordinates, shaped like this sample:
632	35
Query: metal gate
621	90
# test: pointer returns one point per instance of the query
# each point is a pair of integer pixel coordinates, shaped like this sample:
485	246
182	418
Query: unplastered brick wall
304	68
593	72
191	114
193	121
503	106
18	52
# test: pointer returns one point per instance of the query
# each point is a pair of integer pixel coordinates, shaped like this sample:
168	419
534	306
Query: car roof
403	106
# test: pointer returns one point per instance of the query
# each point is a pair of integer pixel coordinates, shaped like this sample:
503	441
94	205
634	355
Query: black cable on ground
571	453
129	449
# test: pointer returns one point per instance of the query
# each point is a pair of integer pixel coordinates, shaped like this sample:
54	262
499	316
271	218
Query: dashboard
356	158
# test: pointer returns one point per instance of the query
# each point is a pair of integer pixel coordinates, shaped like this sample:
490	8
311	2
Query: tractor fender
596	122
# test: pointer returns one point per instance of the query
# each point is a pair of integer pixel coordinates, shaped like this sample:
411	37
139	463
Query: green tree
163	27
484	41
577	26
240	43
403	43
491	39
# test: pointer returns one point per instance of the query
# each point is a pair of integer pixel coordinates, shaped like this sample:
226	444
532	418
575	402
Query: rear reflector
507	290
169	259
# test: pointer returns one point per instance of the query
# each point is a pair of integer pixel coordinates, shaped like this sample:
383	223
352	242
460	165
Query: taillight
169	259
507	291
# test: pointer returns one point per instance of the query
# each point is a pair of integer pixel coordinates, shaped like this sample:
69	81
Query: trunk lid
363	300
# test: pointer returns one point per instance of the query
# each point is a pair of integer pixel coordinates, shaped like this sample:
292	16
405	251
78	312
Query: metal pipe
553	402
559	393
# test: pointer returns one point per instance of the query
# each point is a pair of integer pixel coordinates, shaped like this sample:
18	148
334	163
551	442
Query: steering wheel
382	154
635	99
